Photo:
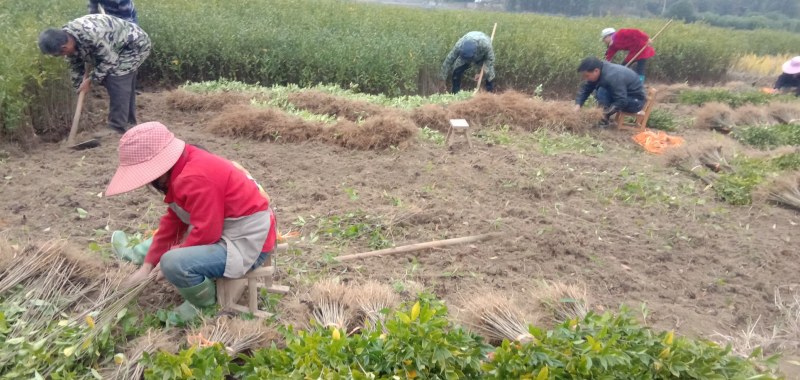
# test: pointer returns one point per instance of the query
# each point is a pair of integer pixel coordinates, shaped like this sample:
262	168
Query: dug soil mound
326	104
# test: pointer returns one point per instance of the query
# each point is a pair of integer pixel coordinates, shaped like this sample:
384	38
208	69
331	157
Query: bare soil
622	222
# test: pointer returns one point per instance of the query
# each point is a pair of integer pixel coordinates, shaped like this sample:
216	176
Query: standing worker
618	88
218	223
123	9
115	47
474	47
632	41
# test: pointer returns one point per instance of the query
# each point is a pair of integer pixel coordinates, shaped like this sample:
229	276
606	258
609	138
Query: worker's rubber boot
197	297
120	246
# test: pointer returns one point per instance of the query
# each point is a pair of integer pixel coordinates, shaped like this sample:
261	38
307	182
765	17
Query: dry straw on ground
431	116
786	191
326	104
235	334
669	93
715	116
752	115
214	101
495	317
263	124
784	113
378	132
153	341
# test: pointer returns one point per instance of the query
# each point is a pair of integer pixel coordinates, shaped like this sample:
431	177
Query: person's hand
159	273
139	276
576	108
84	87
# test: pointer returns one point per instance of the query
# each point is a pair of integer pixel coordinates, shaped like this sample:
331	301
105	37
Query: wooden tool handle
418	246
645	46
76	119
480	76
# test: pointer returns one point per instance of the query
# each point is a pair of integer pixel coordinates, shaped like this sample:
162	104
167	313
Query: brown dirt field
629	227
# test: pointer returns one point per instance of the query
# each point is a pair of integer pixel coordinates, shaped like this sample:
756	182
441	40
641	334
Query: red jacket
630	40
210	189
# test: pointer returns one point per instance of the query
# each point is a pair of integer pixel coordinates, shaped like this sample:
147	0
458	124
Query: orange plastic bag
657	142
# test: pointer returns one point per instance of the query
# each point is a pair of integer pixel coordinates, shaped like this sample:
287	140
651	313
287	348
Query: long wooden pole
645	46
76	119
418	246
480	76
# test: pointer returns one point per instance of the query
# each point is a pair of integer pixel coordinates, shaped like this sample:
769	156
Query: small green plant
496	136
769	137
736	187
354	226
432	135
733	99
663	120
639	187
550	143
193	363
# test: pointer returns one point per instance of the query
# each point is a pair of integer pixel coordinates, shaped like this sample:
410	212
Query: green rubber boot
198	296
120	246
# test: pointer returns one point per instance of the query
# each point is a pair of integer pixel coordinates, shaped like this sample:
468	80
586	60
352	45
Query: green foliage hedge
383	49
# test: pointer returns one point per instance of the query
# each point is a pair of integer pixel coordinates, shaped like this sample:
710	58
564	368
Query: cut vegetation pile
377	132
263	124
210	101
326	104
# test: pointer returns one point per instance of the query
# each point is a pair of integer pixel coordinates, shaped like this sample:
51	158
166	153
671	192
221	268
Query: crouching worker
618	88
218	223
790	78
474	47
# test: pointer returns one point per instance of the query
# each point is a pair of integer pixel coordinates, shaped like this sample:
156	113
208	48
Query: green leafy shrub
770	136
731	98
663	120
209	363
615	347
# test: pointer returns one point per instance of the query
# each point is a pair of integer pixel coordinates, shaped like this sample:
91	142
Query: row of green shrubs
391	50
419	342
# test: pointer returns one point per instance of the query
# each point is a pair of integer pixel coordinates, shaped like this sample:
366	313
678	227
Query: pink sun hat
792	66
146	152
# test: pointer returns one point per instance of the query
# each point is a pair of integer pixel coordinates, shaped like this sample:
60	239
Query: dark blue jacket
788	80
621	83
123	9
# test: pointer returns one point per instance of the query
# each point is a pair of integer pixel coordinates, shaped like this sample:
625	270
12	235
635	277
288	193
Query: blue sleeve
583	94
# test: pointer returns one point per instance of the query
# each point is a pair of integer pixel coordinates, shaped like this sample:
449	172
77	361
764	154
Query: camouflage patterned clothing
484	56
123	9
114	46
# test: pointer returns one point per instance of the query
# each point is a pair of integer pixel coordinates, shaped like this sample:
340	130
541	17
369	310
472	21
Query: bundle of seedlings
263	124
128	366
329	303
787	301
372	300
715	116
564	302
786	191
784	113
20	266
705	161
389	129
752	115
496	318
236	335
669	93
431	116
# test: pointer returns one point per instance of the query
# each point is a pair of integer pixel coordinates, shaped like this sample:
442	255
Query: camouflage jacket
123	9
112	45
484	56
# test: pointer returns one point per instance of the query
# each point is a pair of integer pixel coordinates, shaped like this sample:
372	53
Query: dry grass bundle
669	93
377	132
371	298
295	311
30	262
263	124
784	113
329	299
743	342
496	318
153	341
789	308
565	302
236	335
487	109
214	101
431	116
716	116
519	110
786	191
326	104
752	115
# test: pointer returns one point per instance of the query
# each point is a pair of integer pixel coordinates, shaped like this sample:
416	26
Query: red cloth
630	40
210	189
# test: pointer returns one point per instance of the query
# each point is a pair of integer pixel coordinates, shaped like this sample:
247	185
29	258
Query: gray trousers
122	101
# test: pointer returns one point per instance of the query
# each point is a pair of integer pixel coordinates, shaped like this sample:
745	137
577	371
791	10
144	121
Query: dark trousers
459	72
638	67
122	101
631	105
